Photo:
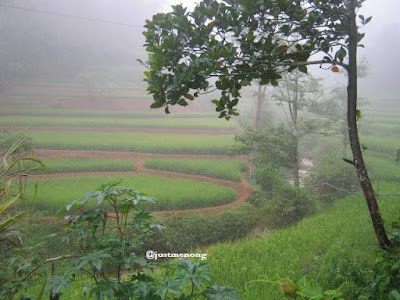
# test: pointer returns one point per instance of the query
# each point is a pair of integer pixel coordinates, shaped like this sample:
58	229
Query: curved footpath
243	188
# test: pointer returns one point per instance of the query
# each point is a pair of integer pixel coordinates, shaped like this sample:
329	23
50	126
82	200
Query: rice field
77	93
387	145
69	165
96	113
230	169
135	142
202	123
55	193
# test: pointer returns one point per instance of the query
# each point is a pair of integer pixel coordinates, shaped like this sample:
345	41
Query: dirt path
243	188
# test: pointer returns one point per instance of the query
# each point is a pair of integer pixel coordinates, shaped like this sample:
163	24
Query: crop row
66	165
383	144
111	95
98	113
212	123
135	142
229	169
171	193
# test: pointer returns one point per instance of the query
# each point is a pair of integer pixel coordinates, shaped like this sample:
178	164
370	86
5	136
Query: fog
62	38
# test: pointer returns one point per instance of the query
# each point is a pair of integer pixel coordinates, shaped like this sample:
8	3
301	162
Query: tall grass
326	247
55	193
230	169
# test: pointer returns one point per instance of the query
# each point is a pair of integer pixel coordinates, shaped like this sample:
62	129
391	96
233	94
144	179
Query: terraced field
183	159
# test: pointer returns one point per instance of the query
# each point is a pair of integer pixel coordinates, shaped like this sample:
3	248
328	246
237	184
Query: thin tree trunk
295	136
345	139
358	160
260	101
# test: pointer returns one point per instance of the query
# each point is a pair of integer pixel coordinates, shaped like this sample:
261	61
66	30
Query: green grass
324	247
211	123
387	145
381	167
386	129
230	169
136	142
171	193
110	95
100	113
65	165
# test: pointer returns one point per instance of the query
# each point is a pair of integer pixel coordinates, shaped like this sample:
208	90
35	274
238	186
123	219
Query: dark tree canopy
238	41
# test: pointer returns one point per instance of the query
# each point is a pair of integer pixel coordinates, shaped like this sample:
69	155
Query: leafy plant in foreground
17	159
101	248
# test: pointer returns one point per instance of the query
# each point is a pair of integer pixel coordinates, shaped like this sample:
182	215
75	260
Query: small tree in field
237	42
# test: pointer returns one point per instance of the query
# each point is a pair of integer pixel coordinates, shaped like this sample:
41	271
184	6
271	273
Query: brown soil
243	188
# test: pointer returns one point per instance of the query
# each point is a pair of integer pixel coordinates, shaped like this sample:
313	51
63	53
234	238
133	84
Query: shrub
286	207
331	178
185	233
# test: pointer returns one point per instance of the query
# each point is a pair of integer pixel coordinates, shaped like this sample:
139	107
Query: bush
286	207
186	233
331	178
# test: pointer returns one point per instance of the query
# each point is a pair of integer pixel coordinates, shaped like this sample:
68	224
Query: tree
261	95
237	42
297	91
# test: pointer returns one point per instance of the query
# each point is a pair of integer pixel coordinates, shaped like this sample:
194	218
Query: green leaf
182	102
196	273
358	114
189	96
147	74
309	289
367	20
56	283
303	69
169	286
340	54
394	295
216	292
156	105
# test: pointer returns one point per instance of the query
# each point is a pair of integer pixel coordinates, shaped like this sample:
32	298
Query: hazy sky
382	39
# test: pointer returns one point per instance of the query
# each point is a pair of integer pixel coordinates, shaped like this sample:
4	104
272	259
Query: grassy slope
327	247
316	247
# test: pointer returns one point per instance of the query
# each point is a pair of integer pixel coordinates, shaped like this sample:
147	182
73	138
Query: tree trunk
358	160
295	135
260	101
